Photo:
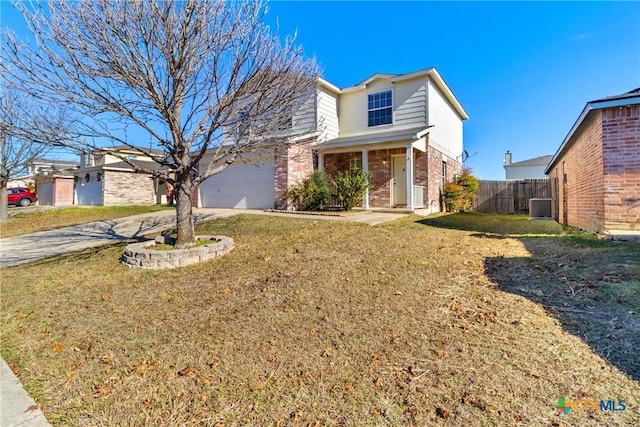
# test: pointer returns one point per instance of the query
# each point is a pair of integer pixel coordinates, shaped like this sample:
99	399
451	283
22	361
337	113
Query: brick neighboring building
105	179
595	174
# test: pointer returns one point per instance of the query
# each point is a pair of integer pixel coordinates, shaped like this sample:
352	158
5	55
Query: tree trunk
4	208
184	214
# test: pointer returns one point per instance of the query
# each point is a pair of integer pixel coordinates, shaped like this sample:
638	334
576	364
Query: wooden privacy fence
510	197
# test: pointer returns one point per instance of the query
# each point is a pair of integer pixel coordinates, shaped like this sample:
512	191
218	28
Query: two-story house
404	130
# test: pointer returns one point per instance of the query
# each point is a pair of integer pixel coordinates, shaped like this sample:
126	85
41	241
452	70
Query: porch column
365	169
409	153
321	162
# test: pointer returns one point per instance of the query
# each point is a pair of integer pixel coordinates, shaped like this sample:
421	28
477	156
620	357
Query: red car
20	196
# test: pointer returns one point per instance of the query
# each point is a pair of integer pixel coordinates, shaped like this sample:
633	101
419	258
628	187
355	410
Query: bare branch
195	76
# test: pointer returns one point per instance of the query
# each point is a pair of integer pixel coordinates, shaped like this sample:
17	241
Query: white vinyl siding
411	104
525	172
446	134
409	107
304	117
327	115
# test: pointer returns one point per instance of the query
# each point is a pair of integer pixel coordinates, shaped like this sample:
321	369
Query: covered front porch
396	162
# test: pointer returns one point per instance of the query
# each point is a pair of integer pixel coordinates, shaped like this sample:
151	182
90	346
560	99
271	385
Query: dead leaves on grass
442	413
187	371
101	389
144	366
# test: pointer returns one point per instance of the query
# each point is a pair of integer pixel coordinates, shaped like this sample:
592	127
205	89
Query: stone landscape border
140	255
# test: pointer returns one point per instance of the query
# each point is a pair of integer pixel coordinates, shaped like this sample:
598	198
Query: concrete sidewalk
17	408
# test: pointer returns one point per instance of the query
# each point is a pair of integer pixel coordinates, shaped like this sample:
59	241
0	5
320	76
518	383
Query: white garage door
240	186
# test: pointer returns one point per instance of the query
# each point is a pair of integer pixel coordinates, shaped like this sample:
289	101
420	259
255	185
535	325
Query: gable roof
431	72
537	161
628	98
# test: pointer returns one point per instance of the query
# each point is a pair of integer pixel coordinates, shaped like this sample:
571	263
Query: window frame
372	109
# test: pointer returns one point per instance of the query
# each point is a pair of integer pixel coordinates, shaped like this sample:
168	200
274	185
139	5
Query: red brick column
293	165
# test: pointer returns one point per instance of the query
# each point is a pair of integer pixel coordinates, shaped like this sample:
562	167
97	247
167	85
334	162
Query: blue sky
523	71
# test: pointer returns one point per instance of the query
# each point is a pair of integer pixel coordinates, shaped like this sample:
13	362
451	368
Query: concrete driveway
45	244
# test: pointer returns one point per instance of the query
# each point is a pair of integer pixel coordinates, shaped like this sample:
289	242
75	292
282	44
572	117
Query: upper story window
380	108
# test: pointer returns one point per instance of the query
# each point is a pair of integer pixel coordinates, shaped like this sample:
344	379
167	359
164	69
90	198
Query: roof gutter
591	106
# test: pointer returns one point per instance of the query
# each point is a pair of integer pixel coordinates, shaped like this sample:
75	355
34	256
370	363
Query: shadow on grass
591	286
497	224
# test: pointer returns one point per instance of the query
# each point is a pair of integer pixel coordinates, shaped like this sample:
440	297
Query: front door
399	178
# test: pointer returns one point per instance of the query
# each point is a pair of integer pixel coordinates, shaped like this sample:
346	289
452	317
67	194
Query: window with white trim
380	108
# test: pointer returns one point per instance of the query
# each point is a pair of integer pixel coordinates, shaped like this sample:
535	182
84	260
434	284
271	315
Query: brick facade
427	173
380	170
436	179
596	180
293	165
578	176
126	188
621	153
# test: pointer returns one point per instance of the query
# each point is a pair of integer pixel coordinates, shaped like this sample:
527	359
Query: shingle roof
630	94
628	98
537	161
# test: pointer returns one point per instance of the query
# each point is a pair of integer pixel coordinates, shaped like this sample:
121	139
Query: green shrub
452	193
311	194
459	194
351	186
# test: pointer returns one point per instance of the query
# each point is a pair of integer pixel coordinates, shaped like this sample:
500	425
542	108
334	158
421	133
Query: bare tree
207	81
28	130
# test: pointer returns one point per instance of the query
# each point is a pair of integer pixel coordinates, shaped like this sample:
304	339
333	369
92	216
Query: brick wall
434	159
293	165
127	188
602	166
580	193
621	152
427	173
380	170
334	163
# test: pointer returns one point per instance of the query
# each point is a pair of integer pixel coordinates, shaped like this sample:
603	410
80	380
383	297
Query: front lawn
310	322
65	217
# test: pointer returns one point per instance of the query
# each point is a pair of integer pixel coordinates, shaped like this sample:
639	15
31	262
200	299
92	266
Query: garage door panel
240	186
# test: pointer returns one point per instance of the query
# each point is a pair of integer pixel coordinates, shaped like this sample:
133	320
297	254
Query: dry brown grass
327	323
26	223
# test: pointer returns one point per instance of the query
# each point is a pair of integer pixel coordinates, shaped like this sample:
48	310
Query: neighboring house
41	166
53	180
404	130
595	174
54	189
105	179
526	169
